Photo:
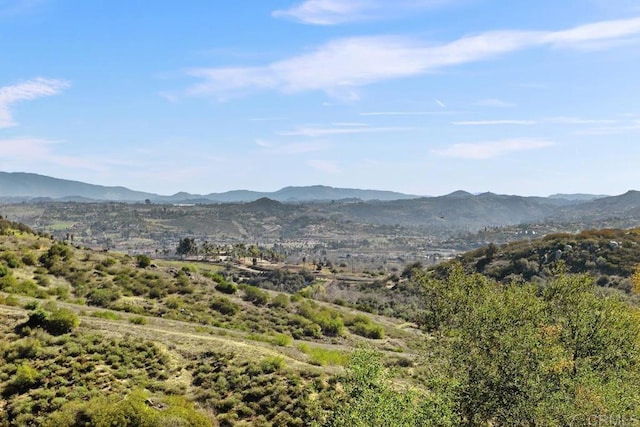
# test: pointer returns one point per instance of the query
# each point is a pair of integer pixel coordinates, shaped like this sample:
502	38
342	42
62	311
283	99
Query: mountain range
294	213
21	186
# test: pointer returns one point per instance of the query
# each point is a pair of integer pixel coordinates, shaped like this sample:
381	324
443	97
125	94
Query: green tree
187	246
531	355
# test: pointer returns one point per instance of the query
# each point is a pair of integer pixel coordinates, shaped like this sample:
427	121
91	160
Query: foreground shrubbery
535	355
133	410
54	379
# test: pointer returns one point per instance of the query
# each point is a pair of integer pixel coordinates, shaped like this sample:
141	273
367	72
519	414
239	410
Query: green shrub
174	302
61	321
29	259
364	326
224	306
10	300
255	295
282	340
26	377
280	301
57	322
102	297
31	305
11	259
106	315
226	287
322	356
138	320
368	330
143	261
271	364
132	410
108	262
4	270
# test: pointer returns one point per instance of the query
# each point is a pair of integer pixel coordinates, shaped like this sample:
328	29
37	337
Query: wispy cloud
493	102
578	121
334	12
264	144
25	152
25	147
622	128
26	91
324	166
13	8
494	122
408	113
292	148
348	124
488	150
342	65
315	132
266	119
325	12
560	120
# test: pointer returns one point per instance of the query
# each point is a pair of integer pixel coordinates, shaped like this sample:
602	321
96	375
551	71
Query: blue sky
418	96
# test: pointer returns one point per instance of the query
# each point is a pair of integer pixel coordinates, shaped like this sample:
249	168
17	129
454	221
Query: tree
187	246
534	355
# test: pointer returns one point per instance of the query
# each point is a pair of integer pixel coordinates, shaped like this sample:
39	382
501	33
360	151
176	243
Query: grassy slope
231	365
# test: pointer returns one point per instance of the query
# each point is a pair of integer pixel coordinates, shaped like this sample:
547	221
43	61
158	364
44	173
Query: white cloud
494	122
35	148
493	102
299	148
599	32
264	144
13	8
324	166
26	153
325	12
342	65
627	127
334	12
578	121
488	150
348	124
315	132
561	120
407	113
26	91
269	147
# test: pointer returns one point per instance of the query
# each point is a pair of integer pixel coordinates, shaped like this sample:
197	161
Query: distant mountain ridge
30	185
22	186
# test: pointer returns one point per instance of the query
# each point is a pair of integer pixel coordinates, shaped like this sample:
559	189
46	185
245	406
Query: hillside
610	256
171	333
104	338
